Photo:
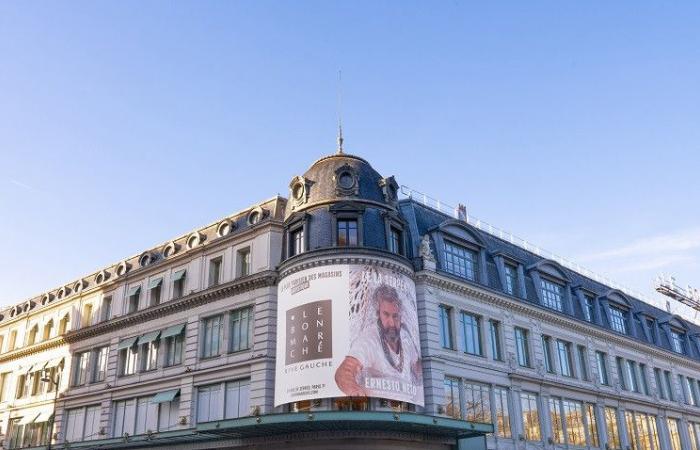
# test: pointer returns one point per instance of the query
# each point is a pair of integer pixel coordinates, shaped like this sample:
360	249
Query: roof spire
340	122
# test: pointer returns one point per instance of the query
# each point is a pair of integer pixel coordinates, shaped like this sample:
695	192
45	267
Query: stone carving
426	252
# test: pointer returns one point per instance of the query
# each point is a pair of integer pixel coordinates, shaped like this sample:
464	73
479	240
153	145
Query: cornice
440	281
261	279
114	281
346	255
332	201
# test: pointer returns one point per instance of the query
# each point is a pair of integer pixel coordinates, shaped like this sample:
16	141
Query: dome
340	177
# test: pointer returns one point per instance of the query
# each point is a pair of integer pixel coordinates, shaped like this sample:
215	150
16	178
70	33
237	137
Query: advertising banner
347	331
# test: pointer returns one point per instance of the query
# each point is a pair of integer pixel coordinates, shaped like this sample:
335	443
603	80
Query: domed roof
340	176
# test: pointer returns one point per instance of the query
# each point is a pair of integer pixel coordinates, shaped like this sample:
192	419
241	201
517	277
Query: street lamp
54	382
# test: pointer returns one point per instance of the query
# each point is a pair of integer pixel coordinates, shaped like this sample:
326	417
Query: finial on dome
340	138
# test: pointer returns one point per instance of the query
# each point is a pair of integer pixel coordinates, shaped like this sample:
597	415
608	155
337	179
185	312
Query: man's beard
390	334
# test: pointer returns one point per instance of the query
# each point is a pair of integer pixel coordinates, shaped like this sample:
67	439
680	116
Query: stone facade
177	345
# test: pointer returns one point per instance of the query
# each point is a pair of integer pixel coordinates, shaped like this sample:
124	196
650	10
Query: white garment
378	377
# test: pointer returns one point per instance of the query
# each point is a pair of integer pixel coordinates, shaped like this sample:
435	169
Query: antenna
340	122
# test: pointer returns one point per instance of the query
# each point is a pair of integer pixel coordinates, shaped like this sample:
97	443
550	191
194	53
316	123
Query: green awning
53	362
179	275
127	343
165	396
43	417
134	290
173	331
29	418
149	337
155	283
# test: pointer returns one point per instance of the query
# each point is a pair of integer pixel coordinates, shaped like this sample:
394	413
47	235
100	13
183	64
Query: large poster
347	331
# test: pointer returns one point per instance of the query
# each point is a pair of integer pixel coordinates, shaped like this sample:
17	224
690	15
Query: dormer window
347	232
296	244
511	279
618	319
589	308
395	241
552	295
460	261
677	339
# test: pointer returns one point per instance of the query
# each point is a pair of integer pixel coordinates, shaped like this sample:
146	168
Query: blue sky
572	124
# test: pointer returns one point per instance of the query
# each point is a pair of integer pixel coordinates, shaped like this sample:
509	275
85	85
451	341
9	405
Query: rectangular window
243	260
511	284
149	355
521	347
155	290
573	417
395	241
460	261
179	278
502	411
621	373
174	340
547	354
651	326
446	326
241	329
614	442
471	333
85	317
451	400
531	416
20	390
618	319
552	295
477	406
212	336
133	299
4	377
631	431
582	363
642	431
296	245
106	310
124	417
16	432
693	433
210	403
99	364
555	420
565	358
601	360
669	385
589	308
80	368
75	425
674	434
347	232
128	356
643	379
215	271
632	376
658	379
592	423
146	415
495	340
691	396
237	399
678	342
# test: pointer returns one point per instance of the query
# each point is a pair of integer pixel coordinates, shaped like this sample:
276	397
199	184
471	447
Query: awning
43	417
29	418
179	275
134	290
53	362
29	368
149	337
165	396
155	283
173	331
127	343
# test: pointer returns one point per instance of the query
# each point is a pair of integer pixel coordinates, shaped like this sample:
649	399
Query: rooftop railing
461	213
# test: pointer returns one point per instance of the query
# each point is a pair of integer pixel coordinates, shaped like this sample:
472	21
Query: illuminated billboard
347	331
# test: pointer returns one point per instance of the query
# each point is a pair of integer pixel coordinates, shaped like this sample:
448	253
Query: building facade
180	345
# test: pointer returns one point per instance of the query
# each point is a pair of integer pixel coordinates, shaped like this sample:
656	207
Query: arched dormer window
48	330
619	309
676	331
552	285
460	250
64	324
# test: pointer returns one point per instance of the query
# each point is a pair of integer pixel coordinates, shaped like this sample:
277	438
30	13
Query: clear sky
572	124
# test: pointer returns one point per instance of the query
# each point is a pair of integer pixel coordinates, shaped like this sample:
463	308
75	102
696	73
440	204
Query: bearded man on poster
385	360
